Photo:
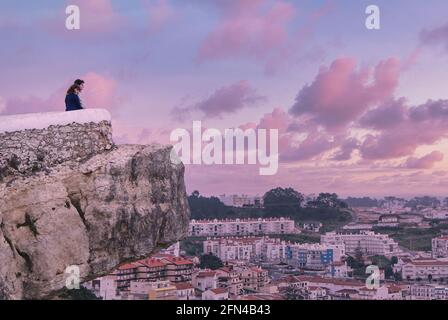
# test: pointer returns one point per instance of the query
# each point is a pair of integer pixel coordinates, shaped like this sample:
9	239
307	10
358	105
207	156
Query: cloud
341	93
436	36
226	100
425	124
388	115
160	13
251	28
426	162
99	92
346	150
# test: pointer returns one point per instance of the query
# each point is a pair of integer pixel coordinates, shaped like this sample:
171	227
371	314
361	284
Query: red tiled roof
152	263
178	260
183	285
219	290
127	266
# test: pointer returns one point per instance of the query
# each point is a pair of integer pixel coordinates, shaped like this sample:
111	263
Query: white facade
428	292
440	247
241	227
104	287
246	248
369	242
205	280
424	269
236	200
437	214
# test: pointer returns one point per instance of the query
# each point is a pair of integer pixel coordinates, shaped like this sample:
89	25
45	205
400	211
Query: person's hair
72	88
79	82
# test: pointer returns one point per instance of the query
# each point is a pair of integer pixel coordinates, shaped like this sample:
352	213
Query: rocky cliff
94	212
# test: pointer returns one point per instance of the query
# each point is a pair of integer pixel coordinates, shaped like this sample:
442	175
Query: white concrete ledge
25	121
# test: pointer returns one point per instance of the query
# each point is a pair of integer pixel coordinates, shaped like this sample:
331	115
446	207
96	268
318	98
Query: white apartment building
440	247
235	200
425	269
205	280
241	227
104	287
246	248
428	292
369	242
434	213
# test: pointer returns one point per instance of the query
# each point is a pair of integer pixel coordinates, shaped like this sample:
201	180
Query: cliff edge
92	205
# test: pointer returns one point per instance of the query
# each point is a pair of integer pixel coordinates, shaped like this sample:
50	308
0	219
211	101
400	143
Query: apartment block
241	227
170	268
246	248
369	242
440	247
424	269
314	256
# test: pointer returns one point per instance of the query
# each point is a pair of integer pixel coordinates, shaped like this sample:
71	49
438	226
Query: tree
205	208
327	200
292	293
283	197
394	260
210	261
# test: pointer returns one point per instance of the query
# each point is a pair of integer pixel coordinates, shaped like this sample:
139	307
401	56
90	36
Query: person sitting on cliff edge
72	100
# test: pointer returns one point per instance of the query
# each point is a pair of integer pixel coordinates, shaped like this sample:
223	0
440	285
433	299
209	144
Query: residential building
244	200
369	242
312	226
166	267
314	256
246	248
241	227
424	269
440	247
229	277
185	291
339	270
156	290
104	288
388	220
254	278
205	280
216	294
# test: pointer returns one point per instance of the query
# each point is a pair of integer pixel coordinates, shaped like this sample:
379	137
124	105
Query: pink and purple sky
360	112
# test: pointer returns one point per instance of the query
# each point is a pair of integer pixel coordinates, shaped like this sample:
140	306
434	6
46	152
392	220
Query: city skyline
359	112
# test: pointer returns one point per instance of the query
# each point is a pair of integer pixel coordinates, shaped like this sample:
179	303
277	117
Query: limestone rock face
117	206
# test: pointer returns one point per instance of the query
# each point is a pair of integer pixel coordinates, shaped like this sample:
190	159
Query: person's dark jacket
72	102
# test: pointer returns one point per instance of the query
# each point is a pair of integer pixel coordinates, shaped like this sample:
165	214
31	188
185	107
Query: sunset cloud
426	162
341	93
435	36
425	124
225	100
252	28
